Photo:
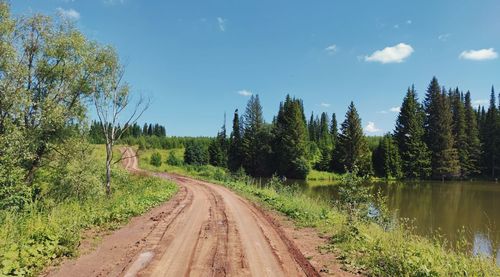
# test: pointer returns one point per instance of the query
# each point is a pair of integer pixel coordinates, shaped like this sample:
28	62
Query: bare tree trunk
109	159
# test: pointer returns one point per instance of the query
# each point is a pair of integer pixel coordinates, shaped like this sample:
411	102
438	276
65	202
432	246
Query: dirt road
206	230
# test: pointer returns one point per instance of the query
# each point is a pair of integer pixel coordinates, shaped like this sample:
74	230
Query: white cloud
396	26
69	13
113	2
325	105
245	93
394	54
392	110
222	23
395	109
479	55
332	49
409	21
480	102
444	37
371	128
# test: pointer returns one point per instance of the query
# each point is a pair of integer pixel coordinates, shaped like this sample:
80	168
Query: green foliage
218	149
235	151
471	167
439	138
353	150
155	159
44	231
195	154
409	135
386	158
490	132
173	159
257	140
290	143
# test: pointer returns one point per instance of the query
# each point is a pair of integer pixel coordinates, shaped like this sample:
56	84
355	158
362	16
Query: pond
441	208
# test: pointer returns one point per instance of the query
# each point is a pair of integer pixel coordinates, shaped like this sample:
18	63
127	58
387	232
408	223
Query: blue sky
199	59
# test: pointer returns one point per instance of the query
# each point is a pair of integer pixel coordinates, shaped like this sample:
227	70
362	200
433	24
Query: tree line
442	137
96	135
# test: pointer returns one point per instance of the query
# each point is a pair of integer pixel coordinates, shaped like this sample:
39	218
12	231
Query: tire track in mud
206	230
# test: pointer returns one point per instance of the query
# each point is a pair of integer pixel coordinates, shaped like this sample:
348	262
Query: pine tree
458	130
409	135
235	155
218	148
491	141
290	133
353	148
439	138
256	140
473	144
386	158
325	143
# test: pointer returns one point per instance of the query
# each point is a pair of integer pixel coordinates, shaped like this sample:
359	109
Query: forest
442	137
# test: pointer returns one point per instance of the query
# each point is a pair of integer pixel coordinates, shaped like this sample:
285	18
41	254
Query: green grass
315	175
360	245
47	230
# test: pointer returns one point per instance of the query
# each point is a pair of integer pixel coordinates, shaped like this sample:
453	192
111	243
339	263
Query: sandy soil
205	230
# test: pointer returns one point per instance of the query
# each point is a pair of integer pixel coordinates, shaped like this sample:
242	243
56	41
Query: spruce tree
218	148
409	136
256	140
352	145
235	155
458	130
439	137
325	143
473	144
490	137
386	158
290	133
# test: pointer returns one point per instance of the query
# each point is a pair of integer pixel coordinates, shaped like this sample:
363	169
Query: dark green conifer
409	135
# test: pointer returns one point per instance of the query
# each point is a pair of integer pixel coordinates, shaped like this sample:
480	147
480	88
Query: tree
409	135
290	133
111	97
439	137
473	144
195	153
44	65
386	158
352	145
490	137
325	143
459	130
155	159
218	148
256	140
235	152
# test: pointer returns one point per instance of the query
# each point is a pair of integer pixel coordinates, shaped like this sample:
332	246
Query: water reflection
443	208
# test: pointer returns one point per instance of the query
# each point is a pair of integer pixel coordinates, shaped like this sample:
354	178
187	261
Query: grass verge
48	230
361	246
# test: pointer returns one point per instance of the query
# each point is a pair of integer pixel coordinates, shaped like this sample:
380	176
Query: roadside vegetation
365	240
52	227
53	184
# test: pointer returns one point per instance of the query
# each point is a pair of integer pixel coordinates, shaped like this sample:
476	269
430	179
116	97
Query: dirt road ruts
206	230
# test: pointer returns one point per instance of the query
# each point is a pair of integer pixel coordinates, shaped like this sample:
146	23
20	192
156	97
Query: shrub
155	159
195	154
173	160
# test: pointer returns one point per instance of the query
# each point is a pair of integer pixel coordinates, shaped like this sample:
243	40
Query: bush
173	160
44	231
155	159
195	154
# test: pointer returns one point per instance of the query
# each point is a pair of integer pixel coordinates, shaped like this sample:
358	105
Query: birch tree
113	103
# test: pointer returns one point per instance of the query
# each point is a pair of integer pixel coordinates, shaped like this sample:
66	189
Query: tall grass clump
51	226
